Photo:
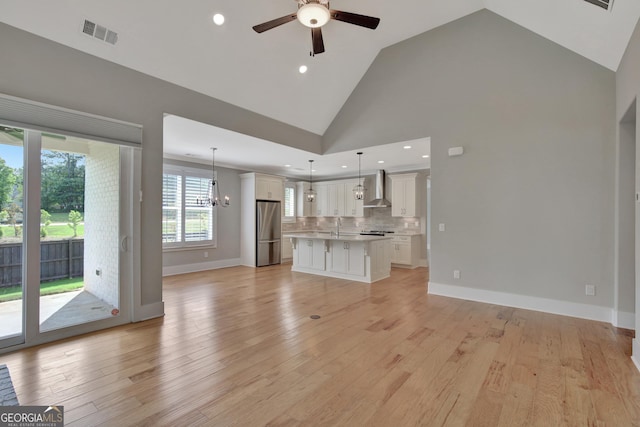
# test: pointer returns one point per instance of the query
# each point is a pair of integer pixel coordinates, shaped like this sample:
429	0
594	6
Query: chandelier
359	191
310	194
213	196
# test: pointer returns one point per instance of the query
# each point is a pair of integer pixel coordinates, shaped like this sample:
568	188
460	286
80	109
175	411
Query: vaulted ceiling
179	43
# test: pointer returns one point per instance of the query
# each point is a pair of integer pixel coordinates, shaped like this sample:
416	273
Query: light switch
441	227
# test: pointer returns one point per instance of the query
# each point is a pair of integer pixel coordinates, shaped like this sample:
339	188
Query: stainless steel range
375	233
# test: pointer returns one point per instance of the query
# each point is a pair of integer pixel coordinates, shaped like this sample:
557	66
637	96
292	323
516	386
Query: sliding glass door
11	236
61	241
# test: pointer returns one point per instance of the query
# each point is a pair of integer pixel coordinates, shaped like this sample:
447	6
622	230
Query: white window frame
185	171
286	218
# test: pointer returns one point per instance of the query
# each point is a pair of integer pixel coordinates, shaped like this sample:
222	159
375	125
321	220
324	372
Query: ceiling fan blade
354	18
316	39
260	28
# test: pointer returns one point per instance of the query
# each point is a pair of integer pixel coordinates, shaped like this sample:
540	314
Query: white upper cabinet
333	198
403	195
304	208
340	201
352	207
321	202
269	188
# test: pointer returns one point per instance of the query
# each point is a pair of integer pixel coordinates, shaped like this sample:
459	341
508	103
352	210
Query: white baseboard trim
635	354
624	319
149	311
200	266
423	263
564	308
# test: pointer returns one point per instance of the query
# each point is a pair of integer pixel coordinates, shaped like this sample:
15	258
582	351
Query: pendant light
213	196
310	194
359	191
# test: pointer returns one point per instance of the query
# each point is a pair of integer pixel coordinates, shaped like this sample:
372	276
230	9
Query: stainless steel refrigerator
268	233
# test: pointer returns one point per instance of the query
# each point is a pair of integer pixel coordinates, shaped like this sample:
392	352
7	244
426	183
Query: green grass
47	288
60	216
61	231
64	231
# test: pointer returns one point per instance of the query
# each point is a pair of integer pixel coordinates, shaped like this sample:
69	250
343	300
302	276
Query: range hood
379	201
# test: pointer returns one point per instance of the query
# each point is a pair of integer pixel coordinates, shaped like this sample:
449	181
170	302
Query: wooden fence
59	259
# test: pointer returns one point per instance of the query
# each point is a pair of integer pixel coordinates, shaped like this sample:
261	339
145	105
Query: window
184	221
289	202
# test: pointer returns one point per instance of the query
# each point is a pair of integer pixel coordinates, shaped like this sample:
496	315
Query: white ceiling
178	42
183	136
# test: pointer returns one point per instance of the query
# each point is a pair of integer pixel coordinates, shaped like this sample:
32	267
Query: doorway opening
627	224
60	251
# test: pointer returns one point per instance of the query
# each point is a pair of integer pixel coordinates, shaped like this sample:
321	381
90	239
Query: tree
45	222
75	218
7	182
14	218
62	181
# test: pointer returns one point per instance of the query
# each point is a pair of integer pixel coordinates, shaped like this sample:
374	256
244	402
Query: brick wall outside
101	250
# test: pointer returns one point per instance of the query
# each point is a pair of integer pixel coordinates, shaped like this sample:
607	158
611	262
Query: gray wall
47	72
627	91
228	227
529	207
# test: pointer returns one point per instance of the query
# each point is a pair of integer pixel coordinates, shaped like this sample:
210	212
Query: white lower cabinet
405	251
348	257
310	254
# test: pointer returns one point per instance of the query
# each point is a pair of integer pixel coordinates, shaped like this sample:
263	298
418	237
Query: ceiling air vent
99	32
605	4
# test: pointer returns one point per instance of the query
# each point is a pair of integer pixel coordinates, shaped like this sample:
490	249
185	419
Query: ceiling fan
314	14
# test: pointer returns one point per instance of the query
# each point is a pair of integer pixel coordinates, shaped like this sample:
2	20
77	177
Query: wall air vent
605	4
99	32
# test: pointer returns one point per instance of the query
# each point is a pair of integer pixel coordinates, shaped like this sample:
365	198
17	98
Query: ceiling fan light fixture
313	15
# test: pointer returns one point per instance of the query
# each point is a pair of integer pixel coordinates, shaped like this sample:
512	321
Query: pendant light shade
213	197
310	194
359	191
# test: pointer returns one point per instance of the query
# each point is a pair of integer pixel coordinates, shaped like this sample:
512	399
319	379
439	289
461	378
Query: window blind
48	118
171	208
289	202
198	219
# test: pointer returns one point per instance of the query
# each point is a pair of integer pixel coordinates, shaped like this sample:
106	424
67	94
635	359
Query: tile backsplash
378	219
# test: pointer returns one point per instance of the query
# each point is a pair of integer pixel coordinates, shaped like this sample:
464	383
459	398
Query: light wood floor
237	346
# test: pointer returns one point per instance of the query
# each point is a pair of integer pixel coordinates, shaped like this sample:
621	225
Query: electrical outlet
590	290
456	274
206	254
441	227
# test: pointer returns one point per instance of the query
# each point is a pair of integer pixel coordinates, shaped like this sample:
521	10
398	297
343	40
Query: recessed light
303	69
426	156
407	147
218	19
380	161
287	166
344	166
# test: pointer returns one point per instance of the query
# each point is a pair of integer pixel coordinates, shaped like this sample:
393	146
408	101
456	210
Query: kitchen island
344	256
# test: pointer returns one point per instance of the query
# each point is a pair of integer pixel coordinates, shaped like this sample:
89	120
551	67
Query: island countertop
347	237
